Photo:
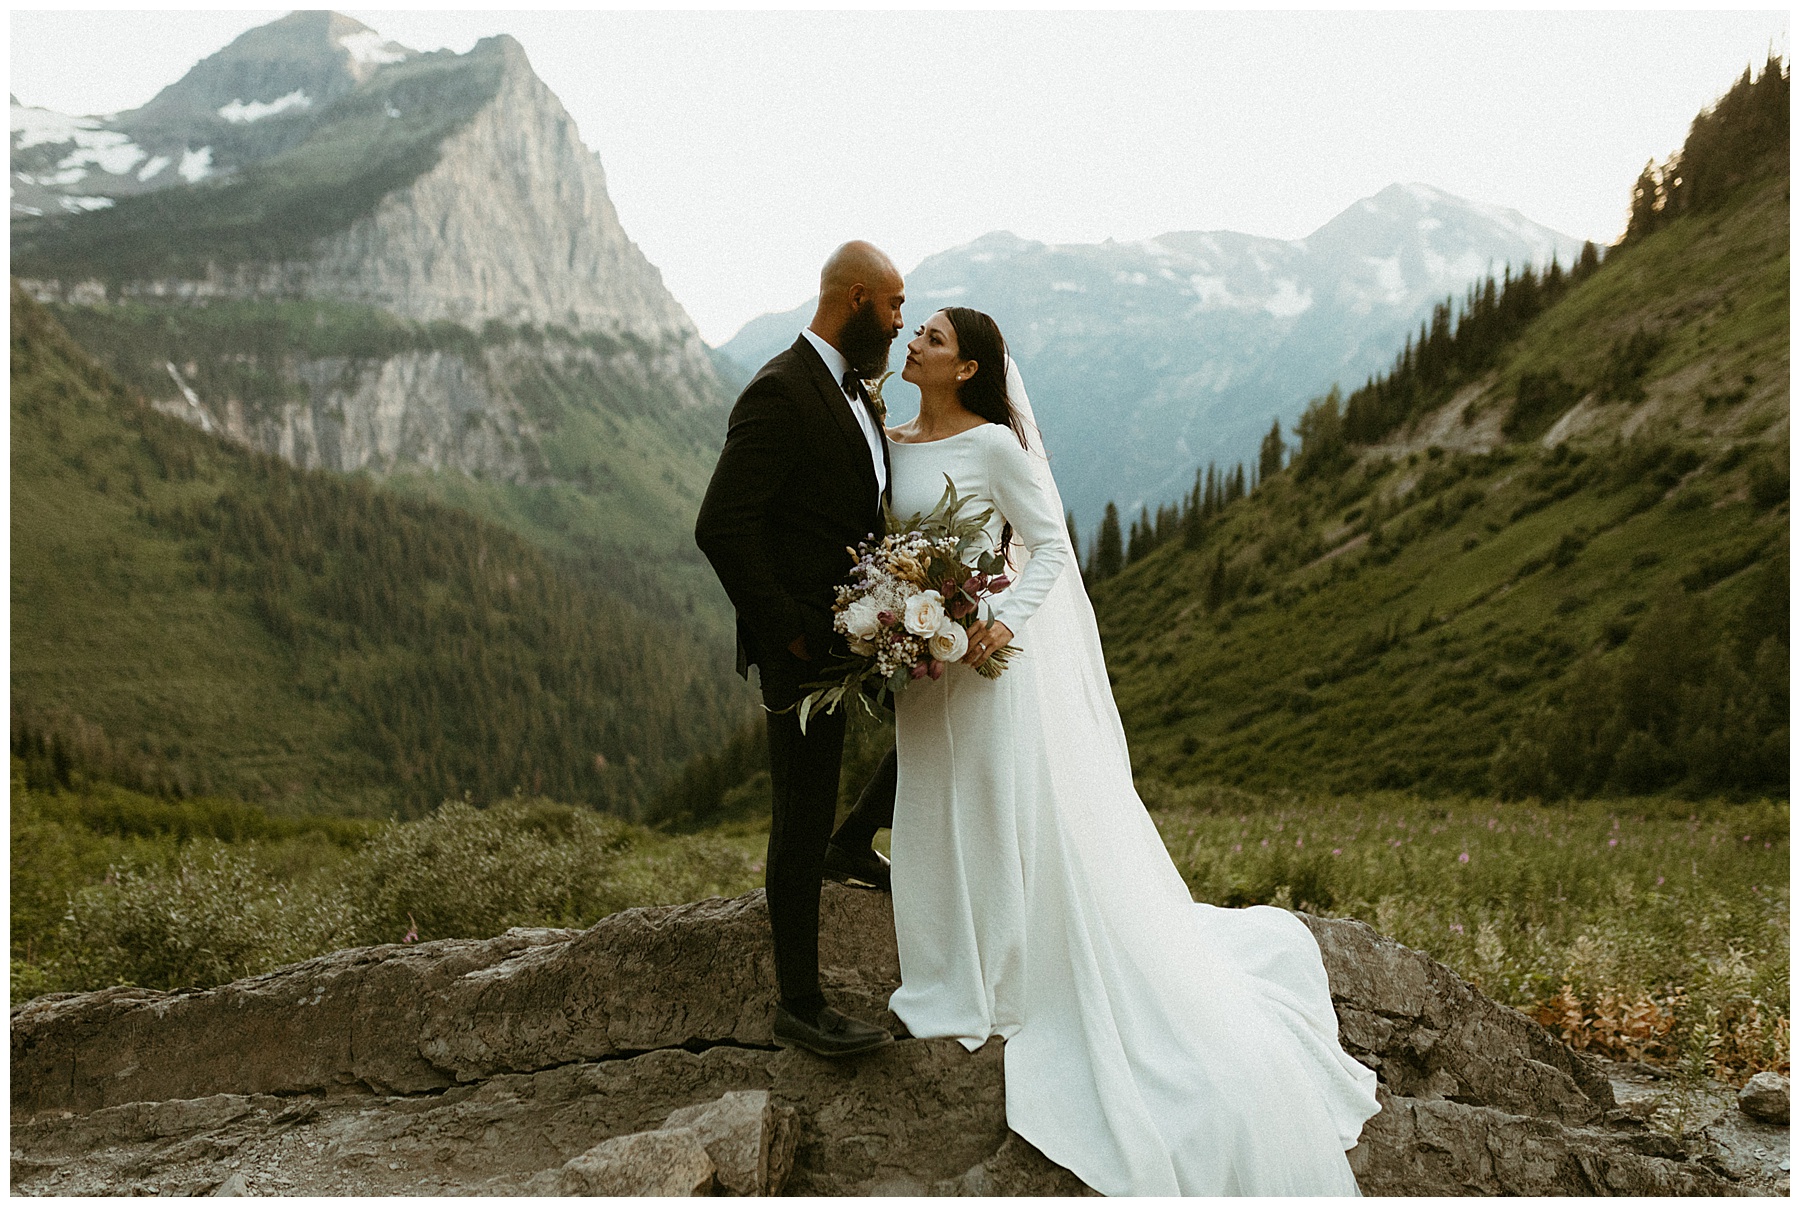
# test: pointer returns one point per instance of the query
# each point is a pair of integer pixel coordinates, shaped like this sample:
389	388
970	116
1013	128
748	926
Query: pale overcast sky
741	146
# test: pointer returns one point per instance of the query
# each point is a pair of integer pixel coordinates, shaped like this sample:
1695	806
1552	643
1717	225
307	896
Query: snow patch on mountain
239	112
196	165
1289	301
156	164
371	48
1389	278
108	150
32	126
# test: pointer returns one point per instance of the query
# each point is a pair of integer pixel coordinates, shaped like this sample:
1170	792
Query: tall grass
1647	929
143	904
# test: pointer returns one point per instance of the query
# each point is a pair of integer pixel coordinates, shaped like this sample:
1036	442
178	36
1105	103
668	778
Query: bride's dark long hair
978	339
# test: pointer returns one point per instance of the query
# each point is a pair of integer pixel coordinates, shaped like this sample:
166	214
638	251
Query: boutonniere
875	400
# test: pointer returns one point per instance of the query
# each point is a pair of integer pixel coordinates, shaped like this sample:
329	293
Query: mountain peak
306	59
994	245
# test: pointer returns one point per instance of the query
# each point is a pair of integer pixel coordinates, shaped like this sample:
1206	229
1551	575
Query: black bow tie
853	386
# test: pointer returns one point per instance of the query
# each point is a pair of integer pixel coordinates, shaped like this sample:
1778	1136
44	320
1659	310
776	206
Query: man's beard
865	341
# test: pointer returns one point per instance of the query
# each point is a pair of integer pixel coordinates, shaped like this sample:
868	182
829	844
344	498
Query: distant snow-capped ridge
1146	357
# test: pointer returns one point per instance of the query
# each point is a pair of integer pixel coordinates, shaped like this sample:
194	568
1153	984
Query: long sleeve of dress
1022	502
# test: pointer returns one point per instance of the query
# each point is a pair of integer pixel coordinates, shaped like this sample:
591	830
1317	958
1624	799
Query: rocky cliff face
571	1061
512	225
448	198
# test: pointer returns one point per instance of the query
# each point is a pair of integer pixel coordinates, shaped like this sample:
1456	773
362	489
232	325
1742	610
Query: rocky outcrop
507	1065
1765	1097
464	410
513	224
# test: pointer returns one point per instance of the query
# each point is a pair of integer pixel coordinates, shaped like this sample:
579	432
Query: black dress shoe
831	1034
867	867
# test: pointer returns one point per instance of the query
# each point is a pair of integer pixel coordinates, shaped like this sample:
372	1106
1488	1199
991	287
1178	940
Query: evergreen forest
190	618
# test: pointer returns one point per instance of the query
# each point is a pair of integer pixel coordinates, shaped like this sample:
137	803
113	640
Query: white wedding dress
1154	1045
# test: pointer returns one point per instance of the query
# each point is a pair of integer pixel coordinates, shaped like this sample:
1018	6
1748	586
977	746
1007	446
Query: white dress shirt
838	366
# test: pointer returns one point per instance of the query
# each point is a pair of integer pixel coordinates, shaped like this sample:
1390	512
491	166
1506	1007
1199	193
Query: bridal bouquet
909	601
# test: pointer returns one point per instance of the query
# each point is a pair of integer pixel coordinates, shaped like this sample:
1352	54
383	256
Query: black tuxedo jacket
793	492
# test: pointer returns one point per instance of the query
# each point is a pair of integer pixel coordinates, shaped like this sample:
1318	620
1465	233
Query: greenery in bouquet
908	604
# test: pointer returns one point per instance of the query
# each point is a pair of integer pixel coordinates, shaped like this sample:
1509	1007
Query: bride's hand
984	639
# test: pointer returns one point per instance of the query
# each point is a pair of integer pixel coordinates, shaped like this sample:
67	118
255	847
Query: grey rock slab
232	1187
1765	1097
1429	1033
487	1066
345	1020
1438	1147
667	1162
750	1140
1015	1168
924	1109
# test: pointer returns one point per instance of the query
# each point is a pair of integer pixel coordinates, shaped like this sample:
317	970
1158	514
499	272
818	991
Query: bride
1153	1045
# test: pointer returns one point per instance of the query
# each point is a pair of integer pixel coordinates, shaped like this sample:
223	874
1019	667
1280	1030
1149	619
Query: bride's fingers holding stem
985	638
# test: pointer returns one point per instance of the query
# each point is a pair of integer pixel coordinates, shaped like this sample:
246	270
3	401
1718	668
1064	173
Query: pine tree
1646	204
1109	548
1590	260
1143	537
1273	450
1074	537
1193	518
1216	582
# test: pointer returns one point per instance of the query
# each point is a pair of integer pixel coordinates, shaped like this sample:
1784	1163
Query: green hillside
619	459
1547	555
189	617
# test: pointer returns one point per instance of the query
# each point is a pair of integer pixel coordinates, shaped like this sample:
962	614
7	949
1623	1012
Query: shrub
1540	402
1623	376
1768	485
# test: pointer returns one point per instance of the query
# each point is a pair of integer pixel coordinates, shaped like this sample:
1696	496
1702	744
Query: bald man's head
856	263
860	296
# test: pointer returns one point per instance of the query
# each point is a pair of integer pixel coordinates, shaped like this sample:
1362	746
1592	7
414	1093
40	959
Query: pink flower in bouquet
1000	583
935	669
886	618
918	670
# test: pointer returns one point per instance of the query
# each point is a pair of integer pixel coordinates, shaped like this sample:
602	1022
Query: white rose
924	613
950	642
861	619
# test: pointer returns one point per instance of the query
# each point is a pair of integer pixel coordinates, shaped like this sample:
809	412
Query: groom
800	481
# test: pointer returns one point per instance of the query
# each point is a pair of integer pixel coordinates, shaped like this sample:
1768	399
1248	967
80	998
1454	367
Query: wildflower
1457	927
412	930
1612	842
1659	880
1337	850
1236	847
1463	858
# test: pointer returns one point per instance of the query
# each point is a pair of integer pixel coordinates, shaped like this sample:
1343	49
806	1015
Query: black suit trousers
803	780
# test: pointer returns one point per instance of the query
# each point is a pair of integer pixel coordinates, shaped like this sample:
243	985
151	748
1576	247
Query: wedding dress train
1154	1045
